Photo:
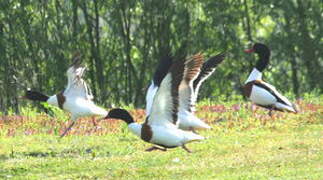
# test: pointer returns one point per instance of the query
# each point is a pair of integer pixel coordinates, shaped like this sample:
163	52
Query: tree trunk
291	50
94	56
131	71
99	65
306	46
247	19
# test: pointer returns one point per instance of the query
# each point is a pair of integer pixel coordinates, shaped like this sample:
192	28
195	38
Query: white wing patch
283	98
267	95
261	96
76	86
161	111
78	89
151	92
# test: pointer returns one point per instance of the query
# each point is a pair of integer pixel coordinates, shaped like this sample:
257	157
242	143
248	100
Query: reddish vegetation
215	108
22	125
236	107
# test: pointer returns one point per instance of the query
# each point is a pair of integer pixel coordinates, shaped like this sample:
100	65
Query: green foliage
122	41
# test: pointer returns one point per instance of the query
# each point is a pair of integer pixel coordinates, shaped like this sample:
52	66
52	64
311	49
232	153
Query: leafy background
121	42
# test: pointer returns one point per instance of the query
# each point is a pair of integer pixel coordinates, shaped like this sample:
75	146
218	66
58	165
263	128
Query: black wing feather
207	68
162	69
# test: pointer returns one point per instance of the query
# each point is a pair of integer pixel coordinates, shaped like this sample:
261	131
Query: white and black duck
76	98
186	115
160	127
260	92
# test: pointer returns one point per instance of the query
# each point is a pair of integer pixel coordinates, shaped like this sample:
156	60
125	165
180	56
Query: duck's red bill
249	50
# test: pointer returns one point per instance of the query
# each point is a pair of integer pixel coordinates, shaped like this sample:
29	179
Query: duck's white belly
168	137
165	135
81	107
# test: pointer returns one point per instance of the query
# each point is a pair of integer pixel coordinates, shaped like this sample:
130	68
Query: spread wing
74	70
79	88
162	69
160	73
76	86
175	89
207	69
151	92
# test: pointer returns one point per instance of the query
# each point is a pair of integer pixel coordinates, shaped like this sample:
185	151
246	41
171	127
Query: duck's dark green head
258	48
261	48
120	114
35	96
264	53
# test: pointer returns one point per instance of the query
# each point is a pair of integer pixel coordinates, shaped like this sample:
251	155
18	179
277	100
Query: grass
241	145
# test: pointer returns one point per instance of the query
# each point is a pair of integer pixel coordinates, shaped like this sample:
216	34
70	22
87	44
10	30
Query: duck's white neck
52	100
135	128
254	75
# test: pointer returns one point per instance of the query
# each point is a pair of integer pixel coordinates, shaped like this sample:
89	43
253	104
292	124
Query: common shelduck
160	127
260	92
187	118
76	98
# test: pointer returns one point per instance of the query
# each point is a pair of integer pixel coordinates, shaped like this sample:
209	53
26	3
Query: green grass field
241	145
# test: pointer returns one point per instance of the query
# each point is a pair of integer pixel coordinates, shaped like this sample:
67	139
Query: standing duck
76	98
260	92
160	127
187	118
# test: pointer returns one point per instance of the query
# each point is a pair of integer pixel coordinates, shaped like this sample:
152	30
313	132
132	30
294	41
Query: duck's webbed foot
155	148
